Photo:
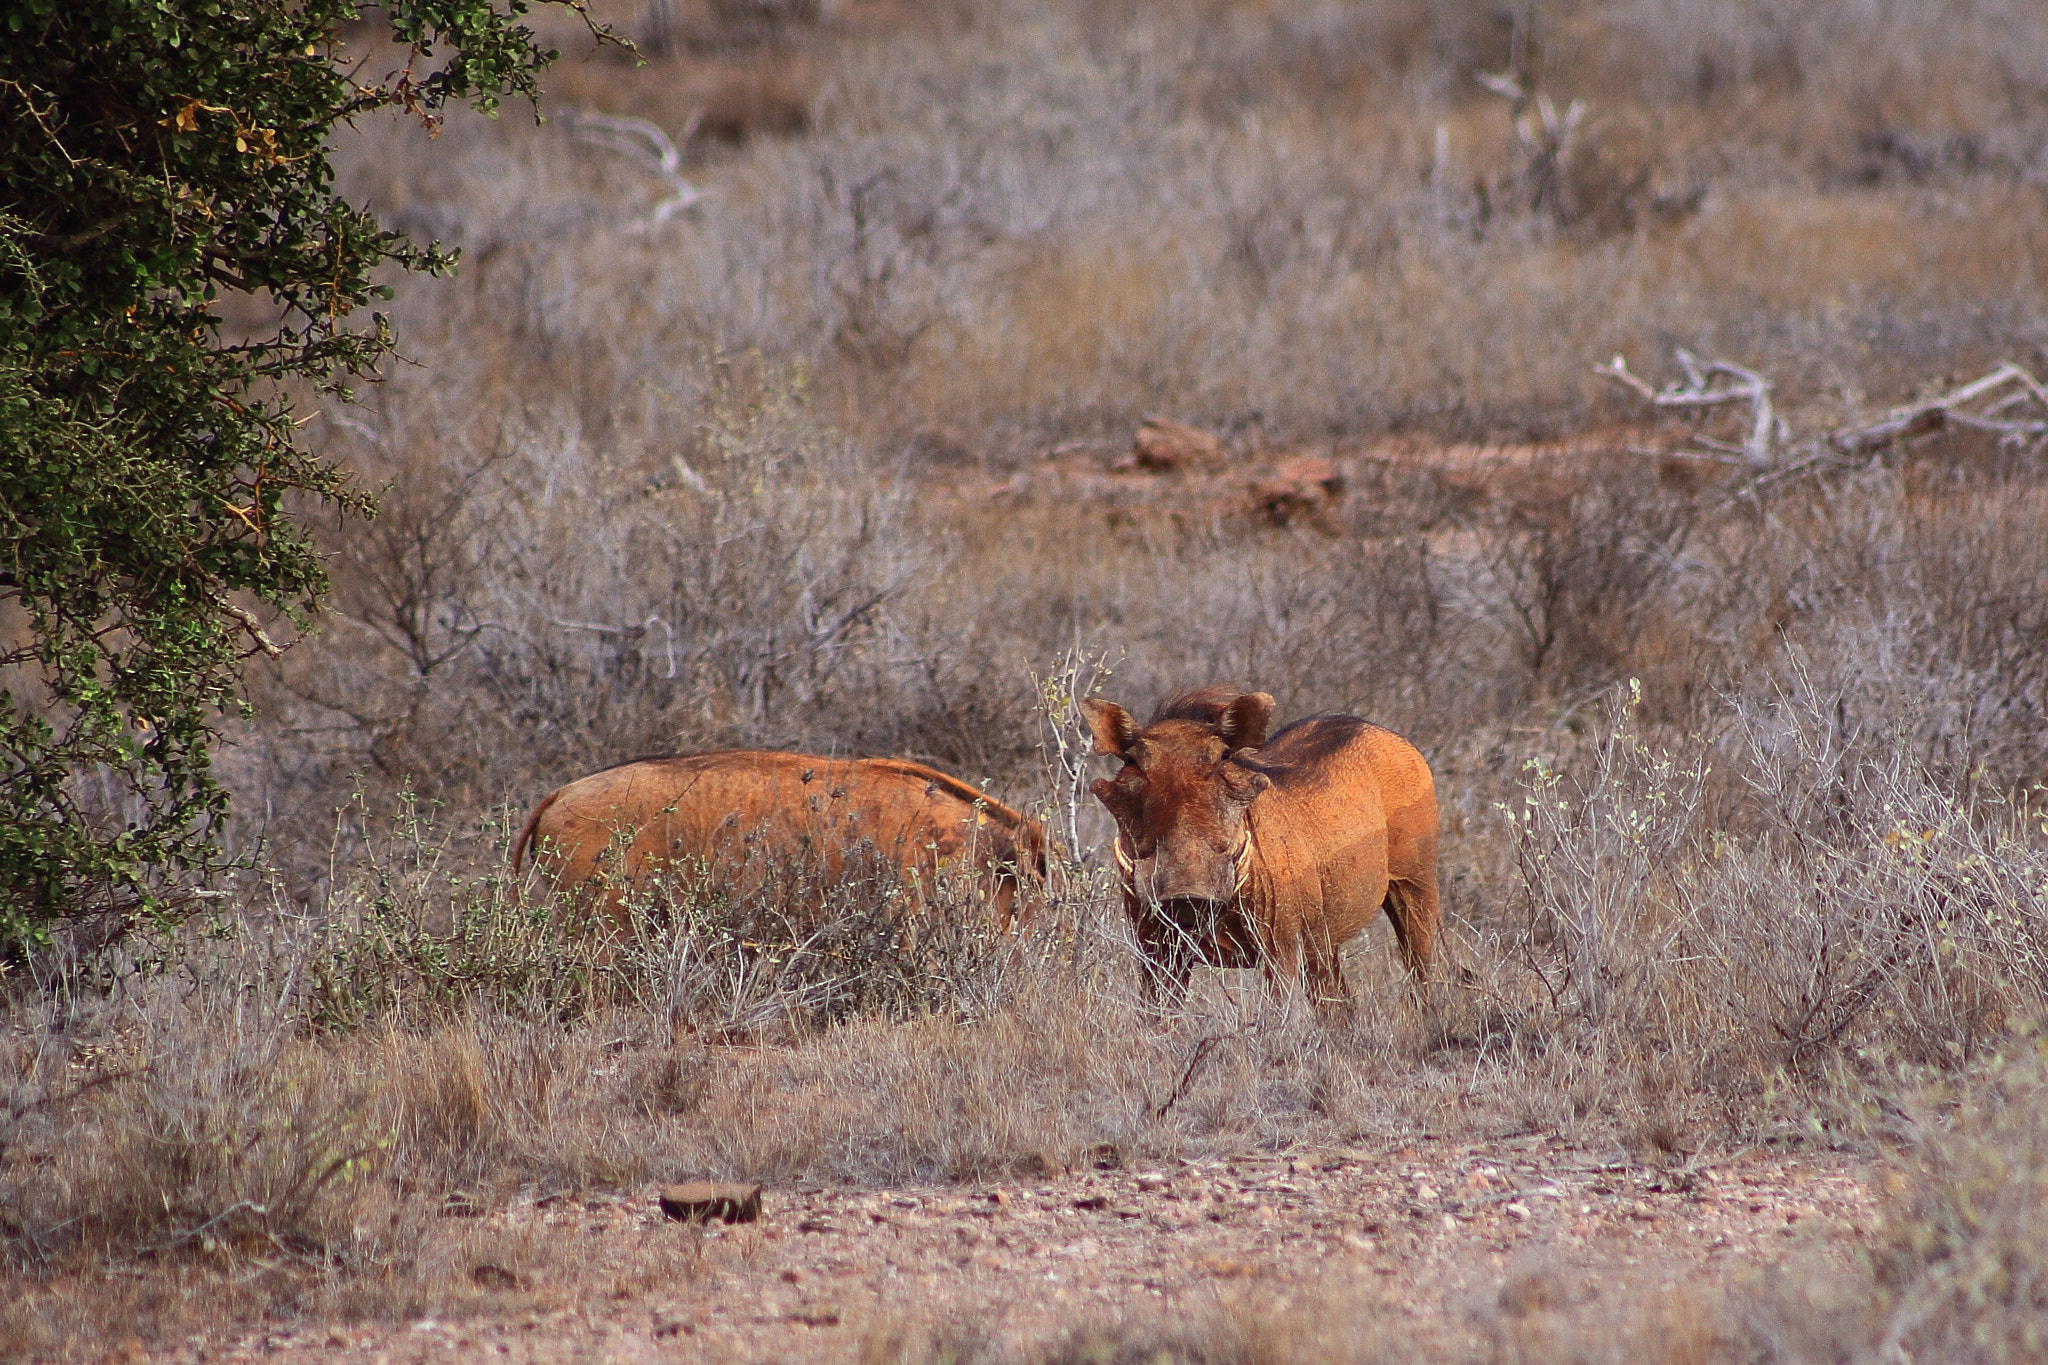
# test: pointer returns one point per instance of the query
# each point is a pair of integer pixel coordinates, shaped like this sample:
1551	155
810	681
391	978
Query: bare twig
255	629
1187	1075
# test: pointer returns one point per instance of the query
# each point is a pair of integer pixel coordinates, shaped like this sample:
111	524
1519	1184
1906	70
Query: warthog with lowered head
1240	850
738	817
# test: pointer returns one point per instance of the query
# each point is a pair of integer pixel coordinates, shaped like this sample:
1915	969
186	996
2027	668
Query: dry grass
1952	1274
725	480
227	1106
1013	222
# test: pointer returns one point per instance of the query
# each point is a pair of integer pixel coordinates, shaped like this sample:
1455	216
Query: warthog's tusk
1243	859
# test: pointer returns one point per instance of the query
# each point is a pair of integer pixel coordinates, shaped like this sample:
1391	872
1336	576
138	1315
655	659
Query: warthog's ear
1114	729
1244	721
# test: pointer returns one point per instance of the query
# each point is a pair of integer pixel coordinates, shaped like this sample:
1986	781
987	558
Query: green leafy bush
160	157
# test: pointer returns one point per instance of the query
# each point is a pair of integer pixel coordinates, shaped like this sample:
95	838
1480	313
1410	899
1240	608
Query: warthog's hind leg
1412	908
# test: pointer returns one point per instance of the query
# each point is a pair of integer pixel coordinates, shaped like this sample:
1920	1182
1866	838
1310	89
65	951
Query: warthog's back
740	815
1352	811
1342	768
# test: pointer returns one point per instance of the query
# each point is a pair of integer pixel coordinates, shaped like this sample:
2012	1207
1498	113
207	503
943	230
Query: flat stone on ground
700	1201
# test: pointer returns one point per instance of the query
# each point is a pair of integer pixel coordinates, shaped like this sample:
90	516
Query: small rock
700	1201
1163	445
1306	487
1532	1291
489	1276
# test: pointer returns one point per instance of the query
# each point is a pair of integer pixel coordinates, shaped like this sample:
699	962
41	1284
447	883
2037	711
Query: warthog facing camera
1240	850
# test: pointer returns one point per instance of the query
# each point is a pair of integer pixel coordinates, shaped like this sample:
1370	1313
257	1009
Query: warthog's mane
1302	749
1202	705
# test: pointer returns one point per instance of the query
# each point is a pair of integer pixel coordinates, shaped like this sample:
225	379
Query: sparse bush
1596	858
1959	1263
1853	902
1907	913
407	937
199	1130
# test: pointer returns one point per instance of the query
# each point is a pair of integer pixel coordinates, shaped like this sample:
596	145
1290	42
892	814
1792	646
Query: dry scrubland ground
827	460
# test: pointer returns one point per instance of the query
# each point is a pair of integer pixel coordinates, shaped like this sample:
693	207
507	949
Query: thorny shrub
1846	901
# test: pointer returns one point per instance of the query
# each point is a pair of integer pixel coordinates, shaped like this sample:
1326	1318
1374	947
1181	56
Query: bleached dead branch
1711	384
2009	401
1550	133
1544	137
1917	419
648	144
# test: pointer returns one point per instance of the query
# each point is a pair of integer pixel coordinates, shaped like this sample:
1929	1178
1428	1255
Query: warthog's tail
525	839
953	786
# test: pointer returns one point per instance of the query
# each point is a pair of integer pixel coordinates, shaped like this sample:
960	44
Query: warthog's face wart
1181	799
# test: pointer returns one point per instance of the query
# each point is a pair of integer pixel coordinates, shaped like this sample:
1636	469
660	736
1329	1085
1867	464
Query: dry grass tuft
1770	754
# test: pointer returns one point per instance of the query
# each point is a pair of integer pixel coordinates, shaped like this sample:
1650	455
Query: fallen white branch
2014	407
648	144
1918	419
1710	384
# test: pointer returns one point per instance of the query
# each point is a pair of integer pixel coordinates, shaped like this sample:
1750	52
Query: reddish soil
1448	1236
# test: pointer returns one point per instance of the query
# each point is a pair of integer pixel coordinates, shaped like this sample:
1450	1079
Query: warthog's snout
1166	881
1202	929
